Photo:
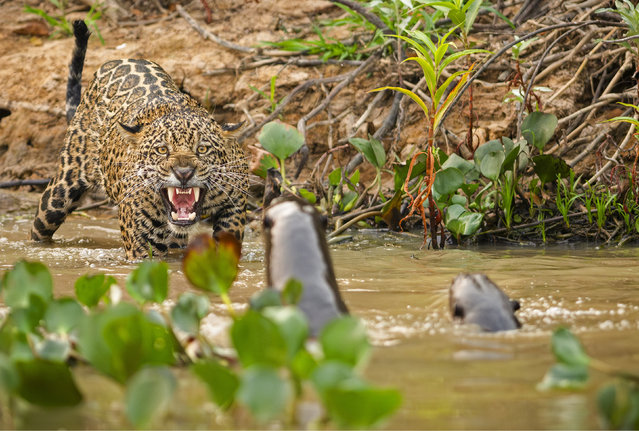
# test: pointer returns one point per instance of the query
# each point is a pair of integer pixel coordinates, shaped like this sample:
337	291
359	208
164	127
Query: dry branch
210	36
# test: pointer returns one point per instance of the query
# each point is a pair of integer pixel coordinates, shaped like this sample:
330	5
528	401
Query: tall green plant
433	58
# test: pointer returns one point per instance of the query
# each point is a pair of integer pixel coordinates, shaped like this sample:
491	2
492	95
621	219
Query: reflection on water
452	377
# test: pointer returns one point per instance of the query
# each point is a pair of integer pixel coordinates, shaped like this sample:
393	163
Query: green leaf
361	408
491	163
121	339
401	171
264	392
26	279
372	149
344	339
568	349
469	189
461	221
408	93
354	178
27	319
330	374
63	315
212	267
547	167
618	405
303	364
448	180
258	340
538	127
266	162
512	151
149	282
89	289
266	298
148	394
490	158
454	161
280	139
348	200
307	195
335	177
292	325
188	311
53	350
221	382
47	383
564	376
8	375
292	292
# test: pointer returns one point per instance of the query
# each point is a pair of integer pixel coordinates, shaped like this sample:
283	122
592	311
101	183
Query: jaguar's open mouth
183	204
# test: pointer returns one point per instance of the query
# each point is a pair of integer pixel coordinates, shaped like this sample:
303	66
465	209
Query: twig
353	221
18	183
93	205
210	36
538	66
300	62
580	69
536	223
138	23
370	17
606	100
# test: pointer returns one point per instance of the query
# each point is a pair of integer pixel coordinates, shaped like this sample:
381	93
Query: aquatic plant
138	344
566	196
618	402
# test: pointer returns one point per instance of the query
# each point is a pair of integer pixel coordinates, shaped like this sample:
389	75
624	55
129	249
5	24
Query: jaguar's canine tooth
191	216
170	192
196	192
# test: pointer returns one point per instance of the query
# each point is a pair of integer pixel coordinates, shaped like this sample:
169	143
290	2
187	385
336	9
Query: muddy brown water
451	377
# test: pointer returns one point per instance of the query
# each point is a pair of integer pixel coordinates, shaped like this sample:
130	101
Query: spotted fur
134	135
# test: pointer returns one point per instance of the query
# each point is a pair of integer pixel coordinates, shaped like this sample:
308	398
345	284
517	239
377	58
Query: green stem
283	171
229	304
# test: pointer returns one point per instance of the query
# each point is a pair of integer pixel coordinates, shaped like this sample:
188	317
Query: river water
451	376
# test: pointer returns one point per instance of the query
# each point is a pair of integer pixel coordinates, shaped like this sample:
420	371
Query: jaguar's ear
130	132
232	130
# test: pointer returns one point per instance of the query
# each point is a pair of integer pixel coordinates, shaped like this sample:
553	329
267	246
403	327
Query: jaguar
155	151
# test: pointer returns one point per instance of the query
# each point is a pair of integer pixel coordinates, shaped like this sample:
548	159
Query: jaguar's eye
202	149
161	150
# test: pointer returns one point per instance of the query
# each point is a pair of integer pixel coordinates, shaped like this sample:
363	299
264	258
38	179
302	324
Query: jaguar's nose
183	174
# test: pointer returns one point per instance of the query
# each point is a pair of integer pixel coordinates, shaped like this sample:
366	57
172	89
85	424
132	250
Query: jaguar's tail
74	84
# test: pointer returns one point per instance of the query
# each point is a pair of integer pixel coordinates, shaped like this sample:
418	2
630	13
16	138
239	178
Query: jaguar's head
184	158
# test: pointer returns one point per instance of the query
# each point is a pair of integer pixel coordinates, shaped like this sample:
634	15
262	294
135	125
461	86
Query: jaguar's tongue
183	201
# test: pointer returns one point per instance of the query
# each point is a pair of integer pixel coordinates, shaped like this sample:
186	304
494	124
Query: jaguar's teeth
196	193
186	191
170	192
175	216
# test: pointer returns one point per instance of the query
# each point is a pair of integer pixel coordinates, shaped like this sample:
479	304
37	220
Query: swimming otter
474	298
296	248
